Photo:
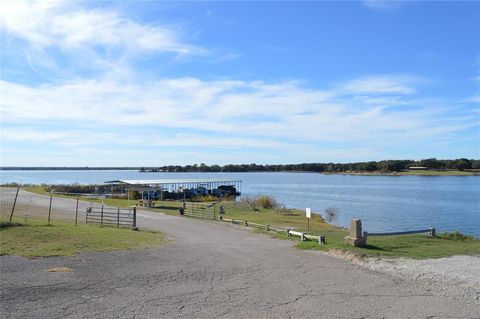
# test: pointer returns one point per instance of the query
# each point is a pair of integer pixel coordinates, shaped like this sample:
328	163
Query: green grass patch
413	246
469	172
37	239
441	173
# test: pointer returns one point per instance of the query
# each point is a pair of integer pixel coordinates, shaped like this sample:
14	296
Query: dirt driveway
212	270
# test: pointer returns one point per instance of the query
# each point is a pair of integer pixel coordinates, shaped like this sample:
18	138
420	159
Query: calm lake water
384	203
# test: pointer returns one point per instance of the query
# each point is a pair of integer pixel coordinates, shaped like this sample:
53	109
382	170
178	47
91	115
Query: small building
418	168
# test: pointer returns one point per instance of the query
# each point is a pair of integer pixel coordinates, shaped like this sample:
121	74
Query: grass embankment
35	238
472	172
413	246
441	173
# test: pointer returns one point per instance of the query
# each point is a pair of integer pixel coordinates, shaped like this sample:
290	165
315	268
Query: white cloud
82	138
384	5
231	113
388	84
473	99
62	24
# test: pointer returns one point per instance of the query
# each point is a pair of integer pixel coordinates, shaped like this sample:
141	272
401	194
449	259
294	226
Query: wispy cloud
63	37
231	113
60	24
385	5
386	84
124	109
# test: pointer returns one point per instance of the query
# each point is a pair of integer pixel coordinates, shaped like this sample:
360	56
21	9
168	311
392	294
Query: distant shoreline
411	173
52	168
468	172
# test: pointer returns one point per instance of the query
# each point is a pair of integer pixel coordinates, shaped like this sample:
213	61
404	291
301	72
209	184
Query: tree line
372	166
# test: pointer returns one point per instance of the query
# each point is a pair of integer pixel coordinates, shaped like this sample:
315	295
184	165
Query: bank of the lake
384	203
471	172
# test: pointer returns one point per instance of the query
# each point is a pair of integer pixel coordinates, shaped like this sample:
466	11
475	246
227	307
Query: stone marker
356	228
356	237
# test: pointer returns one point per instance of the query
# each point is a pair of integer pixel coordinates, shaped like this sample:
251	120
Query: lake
383	203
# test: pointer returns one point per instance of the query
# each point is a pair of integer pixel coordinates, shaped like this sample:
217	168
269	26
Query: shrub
459	236
285	211
266	201
208	198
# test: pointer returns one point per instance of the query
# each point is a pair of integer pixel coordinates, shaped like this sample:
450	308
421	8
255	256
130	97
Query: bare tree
331	214
249	201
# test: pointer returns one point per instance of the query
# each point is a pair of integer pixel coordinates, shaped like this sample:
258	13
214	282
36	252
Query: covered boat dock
180	188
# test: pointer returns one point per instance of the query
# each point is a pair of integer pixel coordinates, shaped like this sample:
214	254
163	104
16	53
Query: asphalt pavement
212	270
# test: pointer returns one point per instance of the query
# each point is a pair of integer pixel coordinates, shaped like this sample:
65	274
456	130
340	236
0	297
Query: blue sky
87	83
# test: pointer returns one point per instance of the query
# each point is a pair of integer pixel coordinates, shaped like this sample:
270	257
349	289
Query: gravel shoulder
457	276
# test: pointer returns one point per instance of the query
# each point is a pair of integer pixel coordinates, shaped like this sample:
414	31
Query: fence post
118	217
76	213
101	217
214	205
321	240
134	218
50	208
14	203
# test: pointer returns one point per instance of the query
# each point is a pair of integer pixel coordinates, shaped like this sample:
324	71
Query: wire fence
19	205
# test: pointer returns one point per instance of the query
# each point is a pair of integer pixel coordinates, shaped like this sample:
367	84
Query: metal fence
287	231
429	231
16	204
119	217
19	205
205	210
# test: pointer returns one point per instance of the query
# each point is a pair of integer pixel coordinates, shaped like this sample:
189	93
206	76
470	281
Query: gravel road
212	270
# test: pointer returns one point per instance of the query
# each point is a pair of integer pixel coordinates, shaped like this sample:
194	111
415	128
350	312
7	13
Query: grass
413	246
470	172
441	173
35	238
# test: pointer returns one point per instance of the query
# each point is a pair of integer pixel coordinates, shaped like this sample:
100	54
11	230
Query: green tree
462	164
476	165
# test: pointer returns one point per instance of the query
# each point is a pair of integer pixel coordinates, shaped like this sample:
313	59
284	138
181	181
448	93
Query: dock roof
172	181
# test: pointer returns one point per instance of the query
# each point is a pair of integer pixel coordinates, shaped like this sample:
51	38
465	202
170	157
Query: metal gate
206	210
108	216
